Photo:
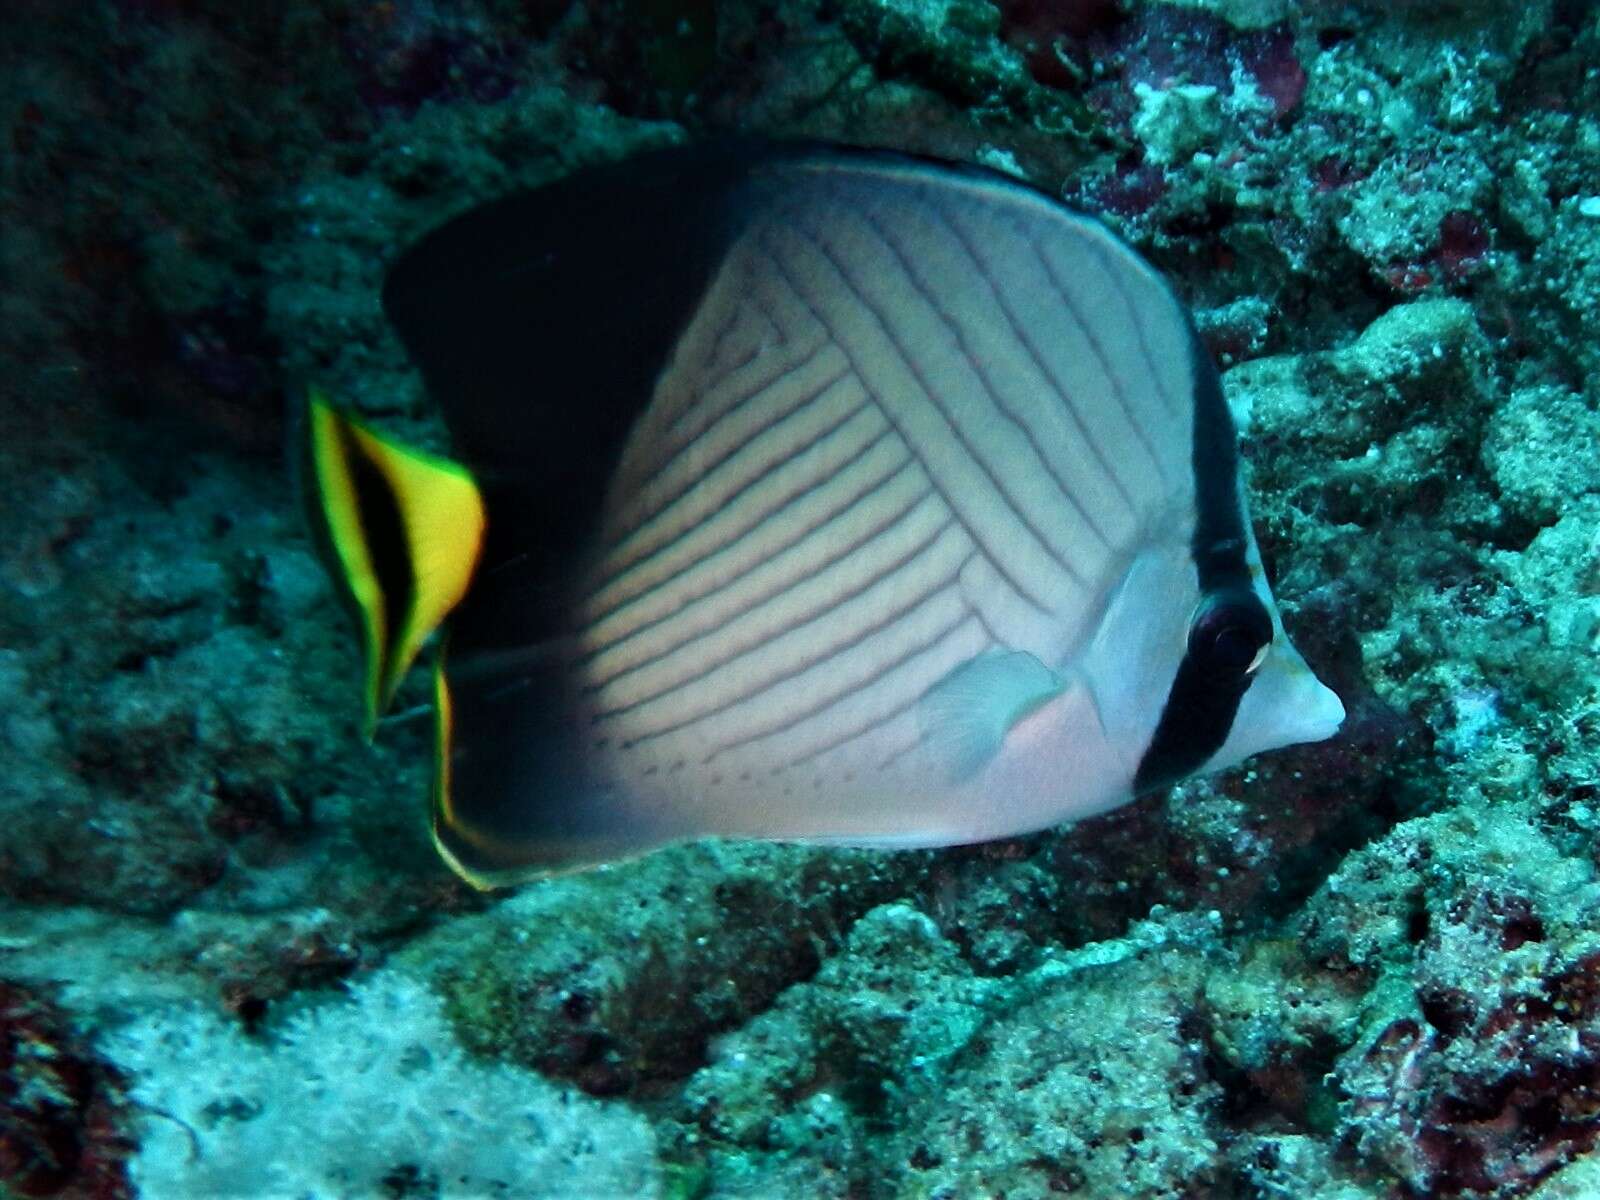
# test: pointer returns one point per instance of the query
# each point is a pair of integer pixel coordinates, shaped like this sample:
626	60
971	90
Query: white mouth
1326	715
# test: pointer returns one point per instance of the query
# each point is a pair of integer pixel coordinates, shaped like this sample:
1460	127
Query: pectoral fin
966	715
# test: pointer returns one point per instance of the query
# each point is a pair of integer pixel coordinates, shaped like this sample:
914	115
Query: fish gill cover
230	962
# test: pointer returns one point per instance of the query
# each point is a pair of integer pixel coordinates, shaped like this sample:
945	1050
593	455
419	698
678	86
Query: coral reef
359	1097
1362	970
616	980
961	1084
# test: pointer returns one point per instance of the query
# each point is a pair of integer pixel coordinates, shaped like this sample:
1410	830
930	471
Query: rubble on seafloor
1357	970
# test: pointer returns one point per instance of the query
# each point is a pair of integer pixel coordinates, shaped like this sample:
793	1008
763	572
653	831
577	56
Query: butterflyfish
803	493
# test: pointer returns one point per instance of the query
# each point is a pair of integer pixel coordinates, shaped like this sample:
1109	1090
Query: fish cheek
1132	660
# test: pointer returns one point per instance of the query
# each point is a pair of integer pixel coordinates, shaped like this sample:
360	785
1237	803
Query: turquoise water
231	962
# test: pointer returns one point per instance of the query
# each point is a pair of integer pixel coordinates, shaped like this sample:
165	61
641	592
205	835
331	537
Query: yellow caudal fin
400	530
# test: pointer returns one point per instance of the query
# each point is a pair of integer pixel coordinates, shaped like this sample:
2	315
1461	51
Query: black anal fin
513	795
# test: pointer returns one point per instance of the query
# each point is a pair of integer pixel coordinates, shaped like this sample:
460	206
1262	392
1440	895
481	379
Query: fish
801	492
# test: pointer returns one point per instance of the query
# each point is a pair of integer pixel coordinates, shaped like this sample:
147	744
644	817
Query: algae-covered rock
1094	1081
617	979
1380	428
874	1032
1576	1181
1279	1022
1559	574
953	47
1242	14
1540	451
1175	122
1493	1010
1481	1007
1396	213
1085	1072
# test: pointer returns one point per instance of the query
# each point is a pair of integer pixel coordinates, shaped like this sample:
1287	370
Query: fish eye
1230	635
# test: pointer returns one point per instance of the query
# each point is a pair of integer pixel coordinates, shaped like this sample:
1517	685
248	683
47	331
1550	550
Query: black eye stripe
1214	674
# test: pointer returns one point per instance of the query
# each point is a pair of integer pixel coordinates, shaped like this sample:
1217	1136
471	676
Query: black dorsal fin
541	321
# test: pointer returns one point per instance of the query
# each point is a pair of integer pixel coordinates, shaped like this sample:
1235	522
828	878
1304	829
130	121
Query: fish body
828	495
